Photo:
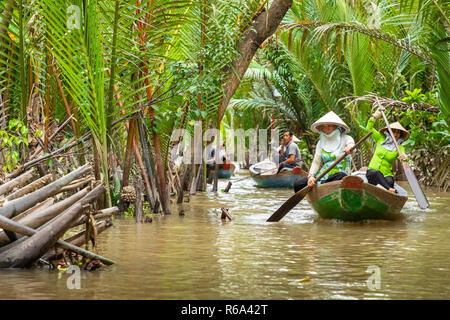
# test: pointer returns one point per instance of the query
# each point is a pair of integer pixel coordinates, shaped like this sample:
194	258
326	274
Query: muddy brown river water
198	256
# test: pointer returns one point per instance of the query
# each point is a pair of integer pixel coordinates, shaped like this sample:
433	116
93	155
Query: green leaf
24	131
13	123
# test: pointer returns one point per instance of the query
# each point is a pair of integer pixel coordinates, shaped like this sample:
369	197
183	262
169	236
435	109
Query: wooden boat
269	178
225	170
352	199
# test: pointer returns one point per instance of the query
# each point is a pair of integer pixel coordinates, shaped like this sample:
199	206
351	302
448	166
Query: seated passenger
290	156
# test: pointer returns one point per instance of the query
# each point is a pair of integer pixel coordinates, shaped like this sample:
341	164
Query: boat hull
281	180
223	173
351	199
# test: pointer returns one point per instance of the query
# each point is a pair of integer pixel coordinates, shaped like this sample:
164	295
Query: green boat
352	199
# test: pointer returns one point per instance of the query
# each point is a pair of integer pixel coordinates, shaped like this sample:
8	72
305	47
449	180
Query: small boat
352	199
225	170
265	175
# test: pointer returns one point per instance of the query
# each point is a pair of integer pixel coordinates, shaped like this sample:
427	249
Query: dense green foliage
166	59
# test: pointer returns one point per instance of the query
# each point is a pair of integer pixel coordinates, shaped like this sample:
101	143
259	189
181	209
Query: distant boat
225	170
265	175
352	199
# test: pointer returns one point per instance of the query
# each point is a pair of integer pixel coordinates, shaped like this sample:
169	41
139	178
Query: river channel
200	256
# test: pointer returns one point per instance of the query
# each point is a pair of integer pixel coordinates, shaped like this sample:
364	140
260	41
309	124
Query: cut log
37	208
98	215
17	206
17	182
37	219
77	240
41	241
77	184
8	236
30	187
34	247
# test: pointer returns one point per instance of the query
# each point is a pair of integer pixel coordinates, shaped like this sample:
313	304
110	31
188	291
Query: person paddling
380	169
333	142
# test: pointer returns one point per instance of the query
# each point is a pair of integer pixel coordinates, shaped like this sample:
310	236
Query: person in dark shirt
290	156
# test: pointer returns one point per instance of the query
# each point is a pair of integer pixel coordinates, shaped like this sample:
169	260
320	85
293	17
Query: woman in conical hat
333	142
379	171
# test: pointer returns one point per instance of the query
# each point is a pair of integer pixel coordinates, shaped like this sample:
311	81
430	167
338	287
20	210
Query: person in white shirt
333	142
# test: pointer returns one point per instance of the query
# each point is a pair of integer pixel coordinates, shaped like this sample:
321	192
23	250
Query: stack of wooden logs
36	214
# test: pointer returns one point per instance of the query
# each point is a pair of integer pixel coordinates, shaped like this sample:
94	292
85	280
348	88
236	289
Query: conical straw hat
397	126
330	118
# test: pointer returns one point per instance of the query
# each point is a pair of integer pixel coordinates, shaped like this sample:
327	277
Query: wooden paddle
412	180
229	182
299	195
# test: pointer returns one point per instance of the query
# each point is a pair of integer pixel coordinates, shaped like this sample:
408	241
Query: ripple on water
199	256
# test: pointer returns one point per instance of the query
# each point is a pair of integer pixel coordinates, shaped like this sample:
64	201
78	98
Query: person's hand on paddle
377	114
347	150
311	180
403	157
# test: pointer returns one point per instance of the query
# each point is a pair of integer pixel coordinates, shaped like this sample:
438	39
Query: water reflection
199	256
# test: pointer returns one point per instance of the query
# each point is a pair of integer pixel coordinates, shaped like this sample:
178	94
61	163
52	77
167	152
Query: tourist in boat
290	156
379	171
212	155
333	142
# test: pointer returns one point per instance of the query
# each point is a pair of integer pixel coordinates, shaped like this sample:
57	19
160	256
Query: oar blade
289	204
415	187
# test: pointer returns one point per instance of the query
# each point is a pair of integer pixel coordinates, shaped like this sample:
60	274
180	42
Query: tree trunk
41	241
147	171
37	208
77	241
30	187
262	28
17	182
98	215
36	219
17	206
128	160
